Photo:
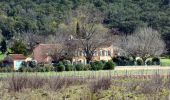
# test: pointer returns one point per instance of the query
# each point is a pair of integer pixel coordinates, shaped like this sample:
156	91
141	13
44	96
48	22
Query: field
34	87
144	83
165	62
119	71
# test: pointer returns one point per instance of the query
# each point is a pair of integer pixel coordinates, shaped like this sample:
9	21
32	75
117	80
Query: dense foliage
58	67
45	16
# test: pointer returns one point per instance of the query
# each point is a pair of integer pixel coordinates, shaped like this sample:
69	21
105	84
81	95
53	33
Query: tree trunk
88	59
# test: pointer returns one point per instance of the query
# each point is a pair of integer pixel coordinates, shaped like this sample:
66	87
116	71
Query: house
14	60
42	52
104	52
72	50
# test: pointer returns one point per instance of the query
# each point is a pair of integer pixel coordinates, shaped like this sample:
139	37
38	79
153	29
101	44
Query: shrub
148	61
47	68
7	69
156	61
131	61
123	61
139	61
87	67
109	65
60	68
31	64
26	69
16	83
69	67
79	67
97	65
100	84
57	83
103	62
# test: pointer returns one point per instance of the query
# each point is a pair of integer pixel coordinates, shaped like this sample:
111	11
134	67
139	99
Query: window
103	53
109	53
100	52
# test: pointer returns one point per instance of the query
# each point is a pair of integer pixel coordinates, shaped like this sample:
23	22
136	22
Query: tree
29	39
3	46
19	47
62	47
91	34
144	42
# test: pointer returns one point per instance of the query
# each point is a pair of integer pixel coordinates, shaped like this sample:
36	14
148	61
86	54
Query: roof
17	56
41	51
49	46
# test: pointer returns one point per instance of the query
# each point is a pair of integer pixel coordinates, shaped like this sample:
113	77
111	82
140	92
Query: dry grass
103	83
74	88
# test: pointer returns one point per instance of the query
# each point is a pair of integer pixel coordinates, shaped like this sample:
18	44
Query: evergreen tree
3	46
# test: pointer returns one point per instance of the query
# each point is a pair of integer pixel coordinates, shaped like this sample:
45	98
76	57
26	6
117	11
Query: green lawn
92	73
165	62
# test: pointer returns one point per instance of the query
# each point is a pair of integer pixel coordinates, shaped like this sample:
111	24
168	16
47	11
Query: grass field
21	87
101	73
165	62
88	85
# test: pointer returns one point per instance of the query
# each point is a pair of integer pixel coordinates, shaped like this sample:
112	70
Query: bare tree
30	39
90	33
145	42
63	47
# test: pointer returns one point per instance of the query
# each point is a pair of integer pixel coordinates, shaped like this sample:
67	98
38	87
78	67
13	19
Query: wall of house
18	64
105	53
79	60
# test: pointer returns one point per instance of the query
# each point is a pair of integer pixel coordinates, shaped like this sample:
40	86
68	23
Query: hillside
45	16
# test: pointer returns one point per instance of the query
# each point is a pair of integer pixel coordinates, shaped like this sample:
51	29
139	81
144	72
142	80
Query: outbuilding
15	60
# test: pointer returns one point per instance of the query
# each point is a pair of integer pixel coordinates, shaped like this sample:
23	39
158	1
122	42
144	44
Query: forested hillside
45	16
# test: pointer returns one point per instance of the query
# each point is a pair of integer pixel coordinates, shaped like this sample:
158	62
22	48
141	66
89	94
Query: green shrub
48	68
97	65
109	65
139	61
103	62
69	67
60	68
123	61
26	69
31	64
7	69
148	61
156	61
87	67
79	67
131	61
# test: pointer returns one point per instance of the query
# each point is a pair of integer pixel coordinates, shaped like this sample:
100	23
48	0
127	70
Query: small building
15	60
